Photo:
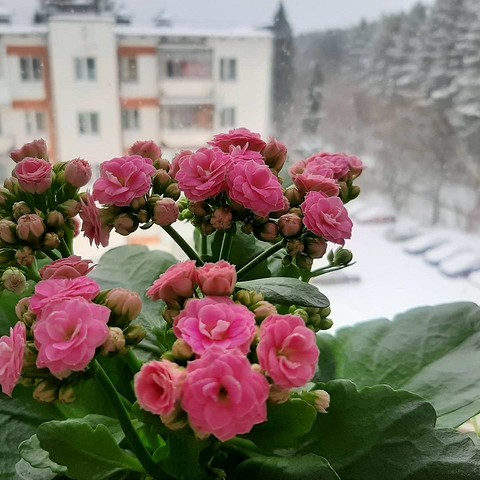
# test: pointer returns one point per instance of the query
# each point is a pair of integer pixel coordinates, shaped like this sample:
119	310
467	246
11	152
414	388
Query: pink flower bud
115	341
304	261
294	197
217	279
25	256
290	225
19	209
47	391
70	208
161	181
55	219
34	175
275	154
146	149
181	350
173	191
30	228
78	172
165	212
269	232
323	401
262	310
221	219
278	394
51	241
315	247
35	149
22	307
125	306
14	280
199	209
125	224
7	231
294	247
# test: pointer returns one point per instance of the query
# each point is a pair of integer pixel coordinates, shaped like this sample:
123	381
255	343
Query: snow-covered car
426	241
461	265
403	229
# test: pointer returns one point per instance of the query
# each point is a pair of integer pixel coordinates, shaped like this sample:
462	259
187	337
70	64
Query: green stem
63	249
204	245
131	434
132	361
328	269
226	246
33	273
51	254
259	259
180	241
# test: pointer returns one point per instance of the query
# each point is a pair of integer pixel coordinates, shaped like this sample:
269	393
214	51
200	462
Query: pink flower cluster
12	349
69	327
220	390
234	165
124	179
179	282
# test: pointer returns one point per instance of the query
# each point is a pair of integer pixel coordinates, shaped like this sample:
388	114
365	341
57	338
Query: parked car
426	241
403	229
461	265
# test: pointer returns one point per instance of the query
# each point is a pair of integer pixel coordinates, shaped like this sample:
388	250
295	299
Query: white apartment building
91	86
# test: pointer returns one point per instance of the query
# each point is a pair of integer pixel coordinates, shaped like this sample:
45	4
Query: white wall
85	36
250	93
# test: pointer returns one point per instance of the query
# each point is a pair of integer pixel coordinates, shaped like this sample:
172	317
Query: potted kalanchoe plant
210	368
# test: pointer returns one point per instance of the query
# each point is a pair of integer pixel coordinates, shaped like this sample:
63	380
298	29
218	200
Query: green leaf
180	457
381	433
287	291
24	471
432	351
286	423
19	418
244	248
304	467
136	267
88	453
37	457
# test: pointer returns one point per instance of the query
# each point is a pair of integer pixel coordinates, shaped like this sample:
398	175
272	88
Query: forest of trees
405	91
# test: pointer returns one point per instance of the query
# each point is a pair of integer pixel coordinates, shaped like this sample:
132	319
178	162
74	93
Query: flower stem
204	245
51	254
328	269
132	361
226	246
259	259
63	249
131	434
180	241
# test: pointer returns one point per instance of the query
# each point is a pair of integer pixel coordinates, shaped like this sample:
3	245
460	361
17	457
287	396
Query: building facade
91	85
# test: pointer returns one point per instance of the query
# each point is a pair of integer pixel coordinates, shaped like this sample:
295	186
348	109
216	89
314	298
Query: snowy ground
387	281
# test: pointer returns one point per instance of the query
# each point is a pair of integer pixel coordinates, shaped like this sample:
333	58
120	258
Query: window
130	119
185	63
88	123
227	117
85	69
228	69
35	122
177	117
128	69
31	68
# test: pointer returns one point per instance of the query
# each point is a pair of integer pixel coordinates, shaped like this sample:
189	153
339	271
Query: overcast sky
304	15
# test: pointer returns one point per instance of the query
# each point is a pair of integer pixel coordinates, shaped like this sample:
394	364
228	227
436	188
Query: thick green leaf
19	418
88	453
37	457
136	267
381	433
24	471
286	423
287	291
304	467
432	351
180	457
